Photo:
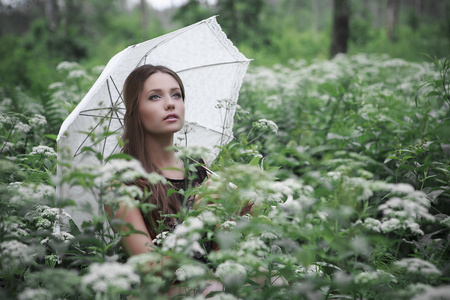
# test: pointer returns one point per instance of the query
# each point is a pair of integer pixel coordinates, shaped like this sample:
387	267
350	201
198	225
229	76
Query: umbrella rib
119	98
93	115
110	119
211	65
213	130
85	139
87	136
101	108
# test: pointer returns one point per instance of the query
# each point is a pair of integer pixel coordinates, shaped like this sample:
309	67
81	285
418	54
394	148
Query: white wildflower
125	194
158	240
199	297
43	224
266	124
193	151
371	224
228	225
37	120
13	254
98	69
67	65
102	278
208	217
251	152
294	207
142	261
25	192
78	74
35	294
189	271
44	217
434	293
125	170
309	271
446	222
21	127
254	245
223	296
390	225
374	277
14	229
188	226
6	103
403	188
7	146
362	185
43	150
63	236
232	274
15	185
395	63
268	236
417	265
334	175
188	246
56	85
416	289
253	195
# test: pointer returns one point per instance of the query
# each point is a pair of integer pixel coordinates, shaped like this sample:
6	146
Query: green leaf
406	167
51	136
118	156
329	88
392	157
433	93
408	157
255	161
172	191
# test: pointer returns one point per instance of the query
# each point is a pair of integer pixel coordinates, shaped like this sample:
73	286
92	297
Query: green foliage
191	12
344	162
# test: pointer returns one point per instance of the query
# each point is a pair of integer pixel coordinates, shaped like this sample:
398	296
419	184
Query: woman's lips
171	117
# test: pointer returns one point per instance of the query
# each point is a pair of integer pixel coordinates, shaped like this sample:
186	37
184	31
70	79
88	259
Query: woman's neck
159	150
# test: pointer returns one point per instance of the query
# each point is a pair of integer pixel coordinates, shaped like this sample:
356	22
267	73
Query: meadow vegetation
346	162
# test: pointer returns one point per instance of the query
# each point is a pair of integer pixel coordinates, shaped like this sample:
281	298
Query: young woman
154	102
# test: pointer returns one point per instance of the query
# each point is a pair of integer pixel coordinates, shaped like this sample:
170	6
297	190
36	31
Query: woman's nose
170	104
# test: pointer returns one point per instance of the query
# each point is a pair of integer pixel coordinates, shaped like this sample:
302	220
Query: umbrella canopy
212	70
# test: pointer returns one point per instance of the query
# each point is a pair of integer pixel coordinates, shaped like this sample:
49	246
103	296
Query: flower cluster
185	238
44	150
109	278
266	124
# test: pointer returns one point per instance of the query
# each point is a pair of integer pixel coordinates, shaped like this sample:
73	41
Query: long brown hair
133	136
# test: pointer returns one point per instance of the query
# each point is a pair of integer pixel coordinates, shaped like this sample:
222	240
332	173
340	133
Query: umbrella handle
230	184
210	172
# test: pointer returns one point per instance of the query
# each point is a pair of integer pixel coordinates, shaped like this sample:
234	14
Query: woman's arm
131	217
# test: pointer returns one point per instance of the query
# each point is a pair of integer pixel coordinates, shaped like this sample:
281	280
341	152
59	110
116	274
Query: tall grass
346	163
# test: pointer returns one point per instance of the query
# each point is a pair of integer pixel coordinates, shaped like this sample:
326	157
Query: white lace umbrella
212	70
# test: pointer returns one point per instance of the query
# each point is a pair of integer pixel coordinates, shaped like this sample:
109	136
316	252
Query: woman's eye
177	95
153	97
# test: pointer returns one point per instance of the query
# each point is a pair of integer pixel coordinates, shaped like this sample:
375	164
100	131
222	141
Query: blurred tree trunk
316	17
341	30
51	14
392	19
143	15
418	5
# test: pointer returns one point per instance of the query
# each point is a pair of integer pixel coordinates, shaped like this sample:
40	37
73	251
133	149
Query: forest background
36	35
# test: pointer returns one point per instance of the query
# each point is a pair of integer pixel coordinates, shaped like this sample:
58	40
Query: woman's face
161	106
